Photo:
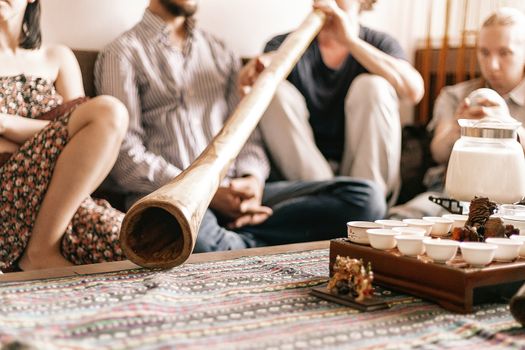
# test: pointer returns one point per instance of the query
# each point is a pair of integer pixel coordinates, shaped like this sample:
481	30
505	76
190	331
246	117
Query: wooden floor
127	265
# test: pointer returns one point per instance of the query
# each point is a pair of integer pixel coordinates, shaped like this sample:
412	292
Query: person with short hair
338	111
179	84
501	58
500	50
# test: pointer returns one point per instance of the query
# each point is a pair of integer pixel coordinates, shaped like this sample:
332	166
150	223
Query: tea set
428	237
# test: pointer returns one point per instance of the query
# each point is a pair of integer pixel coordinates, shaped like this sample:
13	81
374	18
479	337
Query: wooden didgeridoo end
517	306
157	238
160	230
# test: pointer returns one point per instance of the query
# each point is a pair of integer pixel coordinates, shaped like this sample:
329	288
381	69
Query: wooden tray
454	285
372	304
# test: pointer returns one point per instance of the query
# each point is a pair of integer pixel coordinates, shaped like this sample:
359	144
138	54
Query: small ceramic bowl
441	225
413	231
508	249
458	220
518	221
511	210
357	231
519	238
410	245
441	250
382	238
477	254
427	225
387	223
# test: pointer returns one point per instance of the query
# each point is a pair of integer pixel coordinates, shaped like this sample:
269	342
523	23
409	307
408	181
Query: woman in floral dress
55	148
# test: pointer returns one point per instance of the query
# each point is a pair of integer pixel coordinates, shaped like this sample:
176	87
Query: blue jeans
302	211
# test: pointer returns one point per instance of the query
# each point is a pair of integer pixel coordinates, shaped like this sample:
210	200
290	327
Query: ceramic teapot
487	161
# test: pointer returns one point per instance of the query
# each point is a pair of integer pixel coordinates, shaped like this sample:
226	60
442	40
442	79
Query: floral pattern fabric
92	234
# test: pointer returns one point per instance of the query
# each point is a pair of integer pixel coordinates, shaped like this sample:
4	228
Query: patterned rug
253	303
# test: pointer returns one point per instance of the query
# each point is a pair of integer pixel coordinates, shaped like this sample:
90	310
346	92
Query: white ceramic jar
487	161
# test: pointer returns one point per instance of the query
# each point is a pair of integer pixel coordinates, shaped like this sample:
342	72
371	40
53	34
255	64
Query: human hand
251	211
226	202
481	108
339	25
251	71
241	202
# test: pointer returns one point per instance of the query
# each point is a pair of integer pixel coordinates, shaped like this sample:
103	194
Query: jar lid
489	128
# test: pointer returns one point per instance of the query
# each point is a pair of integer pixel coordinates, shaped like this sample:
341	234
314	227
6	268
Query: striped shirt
177	100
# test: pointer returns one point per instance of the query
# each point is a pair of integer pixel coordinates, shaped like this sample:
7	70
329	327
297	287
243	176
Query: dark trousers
302	211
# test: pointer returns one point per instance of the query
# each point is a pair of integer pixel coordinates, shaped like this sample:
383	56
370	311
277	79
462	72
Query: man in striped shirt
179	85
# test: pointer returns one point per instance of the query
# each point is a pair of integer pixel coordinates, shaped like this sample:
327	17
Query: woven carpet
253	302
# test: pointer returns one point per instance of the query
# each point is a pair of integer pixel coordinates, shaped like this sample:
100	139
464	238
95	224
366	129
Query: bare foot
42	262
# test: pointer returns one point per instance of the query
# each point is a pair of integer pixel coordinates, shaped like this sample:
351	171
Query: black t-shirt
325	89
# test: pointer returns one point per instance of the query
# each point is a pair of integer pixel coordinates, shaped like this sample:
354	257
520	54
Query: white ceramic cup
507	249
382	238
517	221
441	250
441	226
427	225
357	231
387	223
459	220
512	210
520	238
477	254
410	245
409	230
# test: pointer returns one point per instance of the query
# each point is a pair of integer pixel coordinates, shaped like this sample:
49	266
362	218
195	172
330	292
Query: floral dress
92	234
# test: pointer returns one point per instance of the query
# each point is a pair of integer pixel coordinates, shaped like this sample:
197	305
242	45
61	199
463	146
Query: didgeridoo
160	230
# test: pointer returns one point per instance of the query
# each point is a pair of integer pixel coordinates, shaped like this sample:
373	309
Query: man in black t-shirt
338	113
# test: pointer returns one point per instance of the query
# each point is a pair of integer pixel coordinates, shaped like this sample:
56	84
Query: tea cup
441	226
387	223
427	225
518	221
410	245
512	210
409	230
382	238
357	231
507	249
477	254
459	220
519	238
441	250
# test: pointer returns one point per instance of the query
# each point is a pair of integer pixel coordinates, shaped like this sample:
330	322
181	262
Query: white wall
244	24
247	24
88	24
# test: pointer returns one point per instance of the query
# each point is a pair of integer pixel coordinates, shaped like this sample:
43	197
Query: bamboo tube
424	113
442	65
460	59
160	230
473	55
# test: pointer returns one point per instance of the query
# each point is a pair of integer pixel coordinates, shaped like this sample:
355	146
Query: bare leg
96	129
8	146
